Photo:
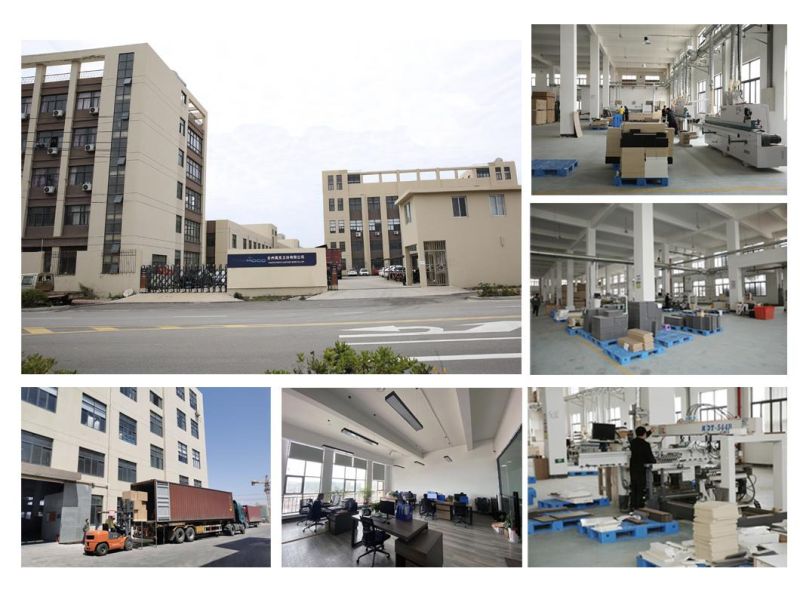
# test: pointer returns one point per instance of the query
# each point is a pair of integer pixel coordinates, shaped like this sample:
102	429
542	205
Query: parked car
363	272
352	272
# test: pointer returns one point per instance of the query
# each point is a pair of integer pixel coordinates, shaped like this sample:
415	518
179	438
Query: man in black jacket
641	455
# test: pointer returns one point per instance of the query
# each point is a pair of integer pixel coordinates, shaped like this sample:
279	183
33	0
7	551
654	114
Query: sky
237	424
288	109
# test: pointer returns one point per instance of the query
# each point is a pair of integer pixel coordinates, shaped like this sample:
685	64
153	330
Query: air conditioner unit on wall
49	189
58	113
26	116
52	150
358	234
86	186
94	110
88	147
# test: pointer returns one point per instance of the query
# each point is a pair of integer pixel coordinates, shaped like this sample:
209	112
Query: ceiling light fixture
400	466
419	463
646	40
360	437
337	449
401	408
448	459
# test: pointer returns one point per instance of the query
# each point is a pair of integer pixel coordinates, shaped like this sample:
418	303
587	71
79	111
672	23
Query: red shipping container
190	503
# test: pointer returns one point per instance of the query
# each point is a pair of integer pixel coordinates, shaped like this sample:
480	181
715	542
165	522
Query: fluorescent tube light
360	437
397	404
419	463
448	458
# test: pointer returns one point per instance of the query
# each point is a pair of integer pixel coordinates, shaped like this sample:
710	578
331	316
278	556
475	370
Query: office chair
460	512
427	508
315	518
373	540
305	507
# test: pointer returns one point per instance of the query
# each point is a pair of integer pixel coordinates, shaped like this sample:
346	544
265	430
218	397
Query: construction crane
267	489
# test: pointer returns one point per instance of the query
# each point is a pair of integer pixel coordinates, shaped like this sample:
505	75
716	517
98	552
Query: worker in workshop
664	113
667	302
536	302
625	113
672	122
641	455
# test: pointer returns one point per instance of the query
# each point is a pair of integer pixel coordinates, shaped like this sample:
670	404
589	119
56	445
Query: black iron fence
164	278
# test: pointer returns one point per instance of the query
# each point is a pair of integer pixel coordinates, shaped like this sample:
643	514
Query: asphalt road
454	333
249	549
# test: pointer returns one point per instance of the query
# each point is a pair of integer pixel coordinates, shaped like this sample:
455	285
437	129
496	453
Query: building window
717	91
195	428
715	404
699	288
196	458
51	103
756	285
183	453
193	400
180	157
769	404
702	106
191	259
83	136
158	259
194	141
130	392
127	429
497	205
198	484
156	424
49	139
341	245
41	215
91	462
498	172
353	178
721	287
331	226
181	126
156	457
407	212
302	480
751	81
183	480
507	172
331	205
156	400
181	420
178	223
87	100
339	182
330	177
459	206
181	393
233	241
193	202
340	225
482	172
180	191
357	225
720	260
67	261
194	171
183	97
340	204
45	398
26	105
80	174
349	475
93	413
677	287
45	176
192	231
126	471
178	257
36	449
626	77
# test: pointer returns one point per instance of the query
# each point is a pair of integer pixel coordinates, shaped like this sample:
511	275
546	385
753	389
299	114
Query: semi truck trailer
255	514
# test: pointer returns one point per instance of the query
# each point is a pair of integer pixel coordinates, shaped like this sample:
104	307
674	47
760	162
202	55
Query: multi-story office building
82	448
113	161
361	212
223	236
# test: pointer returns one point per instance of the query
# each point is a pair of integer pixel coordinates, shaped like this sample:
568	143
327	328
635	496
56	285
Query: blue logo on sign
271	260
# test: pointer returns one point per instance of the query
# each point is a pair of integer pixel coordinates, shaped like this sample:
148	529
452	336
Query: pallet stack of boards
715	535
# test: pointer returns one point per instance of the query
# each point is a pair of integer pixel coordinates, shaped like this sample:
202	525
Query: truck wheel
128	545
179	535
189	533
101	549
228	529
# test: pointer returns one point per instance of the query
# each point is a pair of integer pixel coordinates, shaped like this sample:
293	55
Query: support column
555	413
66	145
667	274
608	286
569	70
777	118
594	75
734	274
643	253
570	283
591	267
606	95
30	141
558	283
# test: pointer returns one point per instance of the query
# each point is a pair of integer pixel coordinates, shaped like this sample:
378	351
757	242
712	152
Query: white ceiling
624	44
450	417
690	228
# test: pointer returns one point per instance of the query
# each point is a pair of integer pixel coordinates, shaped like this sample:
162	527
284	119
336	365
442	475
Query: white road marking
195	316
392	331
431	341
466	357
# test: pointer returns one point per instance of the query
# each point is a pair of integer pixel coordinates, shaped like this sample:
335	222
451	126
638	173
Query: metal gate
436	263
164	278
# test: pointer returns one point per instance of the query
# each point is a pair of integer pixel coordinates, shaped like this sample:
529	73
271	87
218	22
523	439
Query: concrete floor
745	347
568	548
696	170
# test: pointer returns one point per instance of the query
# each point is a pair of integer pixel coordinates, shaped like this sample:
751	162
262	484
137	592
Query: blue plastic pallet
644	563
559	320
559	167
600	343
702	332
582	472
531	495
669	338
622	356
554	503
572	330
534	525
631	530
640	181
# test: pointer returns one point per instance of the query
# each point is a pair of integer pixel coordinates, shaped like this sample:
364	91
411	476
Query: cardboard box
640	334
539	117
551	115
630	344
540	104
541	468
655	167
632	162
612	142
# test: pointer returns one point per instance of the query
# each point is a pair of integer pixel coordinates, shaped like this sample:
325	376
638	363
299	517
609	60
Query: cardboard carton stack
608	325
674	320
578	295
643	153
644	315
614	140
139	504
715	536
547	107
637	340
539	112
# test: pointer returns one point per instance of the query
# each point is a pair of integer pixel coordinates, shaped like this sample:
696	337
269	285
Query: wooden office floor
474	545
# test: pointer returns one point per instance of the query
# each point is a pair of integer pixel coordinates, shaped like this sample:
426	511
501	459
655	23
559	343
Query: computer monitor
386	507
604	432
431	495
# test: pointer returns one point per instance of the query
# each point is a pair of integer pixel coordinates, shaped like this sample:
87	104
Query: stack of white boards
715	535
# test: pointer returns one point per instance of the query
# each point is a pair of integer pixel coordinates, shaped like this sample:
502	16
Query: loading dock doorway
436	263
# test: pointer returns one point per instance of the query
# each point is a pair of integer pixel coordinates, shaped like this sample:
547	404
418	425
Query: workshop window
699	288
751	81
721	287
720	260
714	405
756	285
769	404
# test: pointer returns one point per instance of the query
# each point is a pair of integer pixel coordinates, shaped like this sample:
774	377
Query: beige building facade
361	212
462	237
277	272
223	236
113	167
83	447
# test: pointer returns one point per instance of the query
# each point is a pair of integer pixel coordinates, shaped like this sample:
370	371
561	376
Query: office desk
407	532
446	506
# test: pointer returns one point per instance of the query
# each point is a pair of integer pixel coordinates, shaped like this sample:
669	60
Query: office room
401	477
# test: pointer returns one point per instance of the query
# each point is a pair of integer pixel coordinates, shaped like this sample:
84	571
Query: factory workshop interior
689	109
703	468
658	289
403	477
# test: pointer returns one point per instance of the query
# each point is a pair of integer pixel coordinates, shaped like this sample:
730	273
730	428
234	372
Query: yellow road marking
41	330
104	329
